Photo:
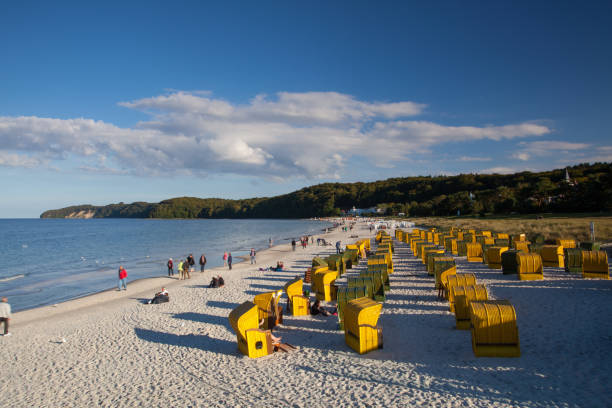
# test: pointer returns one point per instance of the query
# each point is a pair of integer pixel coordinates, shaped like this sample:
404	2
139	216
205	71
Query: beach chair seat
509	262
494	329
566	243
384	270
269	310
572	259
595	265
346	294
458	279
463	295
450	245
378	283
322	284
462	248
360	330
441	266
494	256
529	266
297	303
336	263
552	256
590	246
474	252
252	341
521	246
362	282
431	257
428	251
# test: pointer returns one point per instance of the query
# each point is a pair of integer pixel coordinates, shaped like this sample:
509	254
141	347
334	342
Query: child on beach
224	258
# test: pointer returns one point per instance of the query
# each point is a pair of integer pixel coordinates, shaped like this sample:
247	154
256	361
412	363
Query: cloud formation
542	148
310	134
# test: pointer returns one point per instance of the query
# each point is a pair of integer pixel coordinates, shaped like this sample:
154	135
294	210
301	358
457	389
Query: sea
47	261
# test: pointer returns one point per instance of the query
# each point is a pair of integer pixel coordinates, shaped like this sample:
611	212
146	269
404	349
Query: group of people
227	260
185	267
303	242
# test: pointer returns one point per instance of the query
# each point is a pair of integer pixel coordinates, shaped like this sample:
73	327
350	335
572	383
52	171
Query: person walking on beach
202	263
170	267
293	244
122	278
229	261
338	246
186	274
224	258
270	242
252	254
190	260
5	315
180	270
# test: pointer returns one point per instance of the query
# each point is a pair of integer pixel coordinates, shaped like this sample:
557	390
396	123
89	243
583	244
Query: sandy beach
120	352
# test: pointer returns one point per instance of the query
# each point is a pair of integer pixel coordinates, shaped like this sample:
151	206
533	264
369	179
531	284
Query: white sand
120	352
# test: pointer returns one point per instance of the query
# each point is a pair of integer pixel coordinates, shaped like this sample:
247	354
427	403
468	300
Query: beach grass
551	226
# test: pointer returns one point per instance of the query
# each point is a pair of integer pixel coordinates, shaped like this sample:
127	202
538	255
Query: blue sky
142	101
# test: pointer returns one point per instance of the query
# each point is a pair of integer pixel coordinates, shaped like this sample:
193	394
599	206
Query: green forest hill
589	190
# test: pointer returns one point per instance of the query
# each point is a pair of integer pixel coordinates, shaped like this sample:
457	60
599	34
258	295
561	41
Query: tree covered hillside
590	189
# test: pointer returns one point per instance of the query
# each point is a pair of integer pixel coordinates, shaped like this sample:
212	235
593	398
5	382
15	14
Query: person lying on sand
316	309
160	297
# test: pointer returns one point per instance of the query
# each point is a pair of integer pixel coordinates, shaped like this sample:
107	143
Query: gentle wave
10	278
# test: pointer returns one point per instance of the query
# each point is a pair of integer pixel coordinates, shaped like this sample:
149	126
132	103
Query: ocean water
46	261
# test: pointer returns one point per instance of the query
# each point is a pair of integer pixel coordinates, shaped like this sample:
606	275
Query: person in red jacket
122	277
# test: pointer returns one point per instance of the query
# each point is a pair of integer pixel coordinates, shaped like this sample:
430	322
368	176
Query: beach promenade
112	350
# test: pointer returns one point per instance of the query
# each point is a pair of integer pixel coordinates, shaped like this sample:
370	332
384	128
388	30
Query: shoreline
154	269
139	287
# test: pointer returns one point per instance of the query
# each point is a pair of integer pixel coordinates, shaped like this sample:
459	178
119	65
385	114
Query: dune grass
571	226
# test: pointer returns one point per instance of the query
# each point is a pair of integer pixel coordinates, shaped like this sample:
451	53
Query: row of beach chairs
358	311
493	323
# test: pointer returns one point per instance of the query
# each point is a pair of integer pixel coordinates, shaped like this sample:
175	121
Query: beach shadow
267	287
205	343
270	278
142	300
204	318
221	304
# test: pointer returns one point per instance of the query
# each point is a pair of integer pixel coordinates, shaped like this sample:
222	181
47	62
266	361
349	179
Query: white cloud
524	156
310	134
543	148
474	159
498	170
18	160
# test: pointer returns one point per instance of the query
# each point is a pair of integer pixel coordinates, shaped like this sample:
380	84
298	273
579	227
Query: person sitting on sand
160	297
316	309
216	282
279	266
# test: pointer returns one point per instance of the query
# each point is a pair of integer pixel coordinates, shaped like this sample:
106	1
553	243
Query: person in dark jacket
170	267
202	263
186	274
229	260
